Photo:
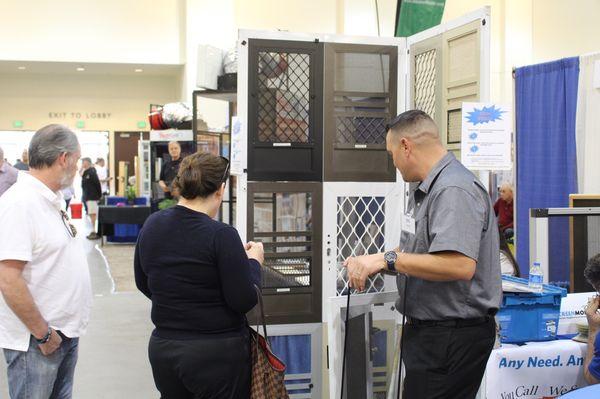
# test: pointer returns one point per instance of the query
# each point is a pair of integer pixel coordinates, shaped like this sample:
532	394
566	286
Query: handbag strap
262	313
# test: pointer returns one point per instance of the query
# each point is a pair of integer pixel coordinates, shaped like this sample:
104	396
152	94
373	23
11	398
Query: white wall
128	31
31	98
564	28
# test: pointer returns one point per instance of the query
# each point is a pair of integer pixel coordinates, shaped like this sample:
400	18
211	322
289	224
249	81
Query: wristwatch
390	260
45	338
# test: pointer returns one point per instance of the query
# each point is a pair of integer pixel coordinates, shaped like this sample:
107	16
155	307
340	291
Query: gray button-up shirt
8	177
453	212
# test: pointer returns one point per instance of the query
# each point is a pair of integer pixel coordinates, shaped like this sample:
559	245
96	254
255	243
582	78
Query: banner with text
537	370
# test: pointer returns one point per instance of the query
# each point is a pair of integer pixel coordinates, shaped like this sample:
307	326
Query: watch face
390	256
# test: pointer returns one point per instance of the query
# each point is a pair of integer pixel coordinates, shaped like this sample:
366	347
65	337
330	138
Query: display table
535	370
111	215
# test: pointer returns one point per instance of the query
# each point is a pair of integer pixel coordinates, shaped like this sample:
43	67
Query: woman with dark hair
200	278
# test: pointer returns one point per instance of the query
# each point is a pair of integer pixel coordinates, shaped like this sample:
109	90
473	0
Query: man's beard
66	180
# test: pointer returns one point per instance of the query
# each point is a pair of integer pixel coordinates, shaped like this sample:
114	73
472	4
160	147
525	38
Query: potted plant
130	195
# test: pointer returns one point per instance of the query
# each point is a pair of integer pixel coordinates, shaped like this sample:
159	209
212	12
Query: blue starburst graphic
473	136
474	148
485	115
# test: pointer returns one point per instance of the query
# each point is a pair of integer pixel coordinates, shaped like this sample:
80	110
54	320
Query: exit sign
80	124
141	125
17	124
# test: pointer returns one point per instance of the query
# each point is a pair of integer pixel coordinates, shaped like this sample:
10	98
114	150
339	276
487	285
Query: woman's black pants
201	368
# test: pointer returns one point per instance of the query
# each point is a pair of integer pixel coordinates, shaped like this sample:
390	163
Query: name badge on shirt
408	224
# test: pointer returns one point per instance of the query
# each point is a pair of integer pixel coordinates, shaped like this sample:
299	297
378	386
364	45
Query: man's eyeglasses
226	173
67	222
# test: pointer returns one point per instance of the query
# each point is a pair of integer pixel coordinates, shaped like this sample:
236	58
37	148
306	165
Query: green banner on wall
414	16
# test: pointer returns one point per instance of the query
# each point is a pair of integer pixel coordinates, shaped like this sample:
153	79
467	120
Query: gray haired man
44	277
8	174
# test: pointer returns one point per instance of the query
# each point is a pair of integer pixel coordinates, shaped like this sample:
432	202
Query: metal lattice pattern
360	130
360	231
283	97
425	82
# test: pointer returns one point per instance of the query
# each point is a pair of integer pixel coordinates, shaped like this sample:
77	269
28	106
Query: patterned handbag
267	370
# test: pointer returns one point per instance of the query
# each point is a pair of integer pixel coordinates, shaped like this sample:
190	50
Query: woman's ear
221	191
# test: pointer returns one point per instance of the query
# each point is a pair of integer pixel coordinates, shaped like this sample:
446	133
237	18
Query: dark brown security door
287	219
285	110
360	99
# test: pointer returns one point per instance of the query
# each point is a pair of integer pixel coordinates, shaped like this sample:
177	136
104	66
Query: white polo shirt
57	274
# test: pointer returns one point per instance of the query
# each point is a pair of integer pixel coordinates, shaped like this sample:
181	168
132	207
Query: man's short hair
86	159
1	154
49	143
99	160
414	124
592	271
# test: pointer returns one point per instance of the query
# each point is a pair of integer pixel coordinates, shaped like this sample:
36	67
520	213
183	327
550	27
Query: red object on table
76	210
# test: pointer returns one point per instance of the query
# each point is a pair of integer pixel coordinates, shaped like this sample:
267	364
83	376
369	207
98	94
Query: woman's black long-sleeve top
197	274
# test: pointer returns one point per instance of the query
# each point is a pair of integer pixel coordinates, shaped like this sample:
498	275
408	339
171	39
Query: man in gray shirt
448	264
8	174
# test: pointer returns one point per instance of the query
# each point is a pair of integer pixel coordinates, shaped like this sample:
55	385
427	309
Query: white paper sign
486	136
238	147
536	370
171	135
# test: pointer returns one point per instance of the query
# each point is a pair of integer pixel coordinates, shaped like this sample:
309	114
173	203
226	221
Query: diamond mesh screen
425	72
360	130
283	97
360	231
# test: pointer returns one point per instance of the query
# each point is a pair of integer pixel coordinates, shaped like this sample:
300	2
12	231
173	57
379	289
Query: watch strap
45	338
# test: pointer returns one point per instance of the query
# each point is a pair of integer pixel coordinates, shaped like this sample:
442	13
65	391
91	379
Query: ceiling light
21	68
80	69
138	70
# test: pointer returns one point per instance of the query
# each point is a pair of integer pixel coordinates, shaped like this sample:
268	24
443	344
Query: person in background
591	369
68	194
102	172
23	163
508	263
504	210
170	168
8	174
200	279
44	275
92	192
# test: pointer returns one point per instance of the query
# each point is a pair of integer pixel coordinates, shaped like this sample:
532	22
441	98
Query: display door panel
360	99
286	218
445	71
359	219
285	110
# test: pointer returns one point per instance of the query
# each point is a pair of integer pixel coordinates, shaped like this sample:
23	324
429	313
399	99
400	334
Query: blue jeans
31	375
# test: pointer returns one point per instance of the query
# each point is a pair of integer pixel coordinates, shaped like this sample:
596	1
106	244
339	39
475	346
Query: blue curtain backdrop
546	105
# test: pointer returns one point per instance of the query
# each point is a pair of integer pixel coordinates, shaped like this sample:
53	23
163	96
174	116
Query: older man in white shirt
44	276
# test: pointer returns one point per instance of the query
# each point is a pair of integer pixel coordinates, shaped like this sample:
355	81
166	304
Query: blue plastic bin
525	317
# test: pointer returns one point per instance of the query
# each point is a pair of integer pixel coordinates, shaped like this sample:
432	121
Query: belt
452	323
